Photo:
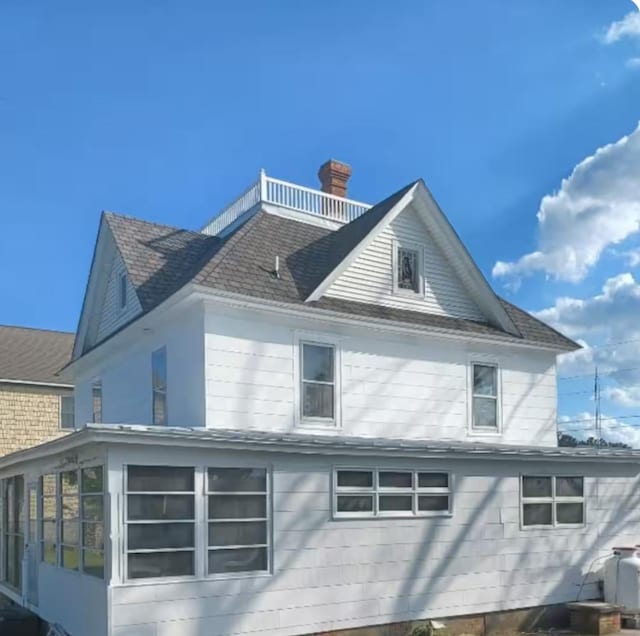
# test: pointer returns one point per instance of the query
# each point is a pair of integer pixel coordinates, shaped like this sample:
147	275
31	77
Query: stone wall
29	415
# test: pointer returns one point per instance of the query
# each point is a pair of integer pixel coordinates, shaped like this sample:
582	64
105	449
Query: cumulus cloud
596	207
582	426
612	316
628	27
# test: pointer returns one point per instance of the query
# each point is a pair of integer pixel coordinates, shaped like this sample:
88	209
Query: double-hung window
67	412
485	411
552	501
318	382
96	400
238	513
382	492
159	386
160	520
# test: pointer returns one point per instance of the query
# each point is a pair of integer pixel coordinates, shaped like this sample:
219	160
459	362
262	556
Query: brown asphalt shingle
33	355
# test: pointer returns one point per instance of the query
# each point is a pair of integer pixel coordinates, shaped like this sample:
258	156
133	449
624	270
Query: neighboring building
318	416
35	404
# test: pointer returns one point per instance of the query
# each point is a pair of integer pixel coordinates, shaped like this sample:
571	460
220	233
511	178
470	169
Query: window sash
311	382
553	500
96	401
376	491
67	412
159	386
485	396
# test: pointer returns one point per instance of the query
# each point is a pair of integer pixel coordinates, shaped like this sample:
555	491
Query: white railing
286	195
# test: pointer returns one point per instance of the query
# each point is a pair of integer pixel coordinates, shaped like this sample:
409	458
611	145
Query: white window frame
62	413
322	340
196	521
485	361
267	520
123	291
160	390
376	490
96	384
553	500
416	247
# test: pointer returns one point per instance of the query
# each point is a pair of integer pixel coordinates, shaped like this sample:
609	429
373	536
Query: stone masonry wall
29	415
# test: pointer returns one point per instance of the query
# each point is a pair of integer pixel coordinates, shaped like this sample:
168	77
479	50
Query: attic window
123	291
407	266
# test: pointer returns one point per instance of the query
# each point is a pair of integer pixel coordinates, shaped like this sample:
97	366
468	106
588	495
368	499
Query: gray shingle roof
33	355
162	259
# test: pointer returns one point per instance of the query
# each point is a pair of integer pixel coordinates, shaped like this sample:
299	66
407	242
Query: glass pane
394	480
242	560
237	533
484	380
69	482
388	503
317	400
93	563
33	514
70	532
160	564
355	503
317	362
159	368
49	485
159	408
536	486
569	513
49	553
160	507
484	413
70	558
536	514
433	480
569	486
70	507
237	506
160	478
92	479
408	269
92	507
49	508
427	503
49	531
355	479
93	536
237	479
160	535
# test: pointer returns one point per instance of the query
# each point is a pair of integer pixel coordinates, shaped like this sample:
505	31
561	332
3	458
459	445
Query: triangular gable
101	312
463	272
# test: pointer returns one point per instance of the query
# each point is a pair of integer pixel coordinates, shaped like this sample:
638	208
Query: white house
313	415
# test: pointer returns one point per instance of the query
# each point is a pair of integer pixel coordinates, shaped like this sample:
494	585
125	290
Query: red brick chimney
333	176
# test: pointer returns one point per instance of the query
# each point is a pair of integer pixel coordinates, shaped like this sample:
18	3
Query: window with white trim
70	524
317	381
408	268
49	519
160	521
96	400
159	386
484	399
384	492
67	412
92	517
552	500
238	519
13	530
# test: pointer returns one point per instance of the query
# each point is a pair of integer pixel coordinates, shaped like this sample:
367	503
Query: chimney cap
333	175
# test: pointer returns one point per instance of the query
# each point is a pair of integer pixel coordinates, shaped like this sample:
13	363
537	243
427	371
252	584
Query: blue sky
166	110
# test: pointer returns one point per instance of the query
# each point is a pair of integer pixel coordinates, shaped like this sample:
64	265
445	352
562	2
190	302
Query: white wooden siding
339	574
113	316
390	387
370	278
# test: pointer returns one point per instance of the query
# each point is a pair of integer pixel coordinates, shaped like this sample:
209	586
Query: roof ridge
127	217
41	329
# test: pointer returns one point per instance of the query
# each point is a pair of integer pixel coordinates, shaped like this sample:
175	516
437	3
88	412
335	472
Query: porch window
485	397
70	523
238	520
92	509
552	501
160	521
159	386
385	492
13	529
318	381
49	521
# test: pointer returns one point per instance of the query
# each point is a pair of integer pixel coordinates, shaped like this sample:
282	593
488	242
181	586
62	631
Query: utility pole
596	400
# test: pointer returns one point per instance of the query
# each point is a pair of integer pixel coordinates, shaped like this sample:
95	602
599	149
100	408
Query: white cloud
633	62
582	426
596	207
612	316
629	27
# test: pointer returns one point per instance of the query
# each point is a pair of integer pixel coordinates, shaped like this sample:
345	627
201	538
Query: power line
590	375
